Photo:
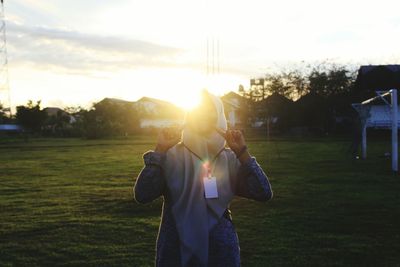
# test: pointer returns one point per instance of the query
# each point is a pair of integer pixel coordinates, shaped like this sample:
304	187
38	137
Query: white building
154	112
233	105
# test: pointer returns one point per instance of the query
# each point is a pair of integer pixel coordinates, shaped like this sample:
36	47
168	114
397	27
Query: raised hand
167	138
236	142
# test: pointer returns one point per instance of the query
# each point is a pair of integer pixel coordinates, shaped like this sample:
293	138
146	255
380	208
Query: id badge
210	187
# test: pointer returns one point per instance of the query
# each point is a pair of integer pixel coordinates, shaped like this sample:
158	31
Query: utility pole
5	97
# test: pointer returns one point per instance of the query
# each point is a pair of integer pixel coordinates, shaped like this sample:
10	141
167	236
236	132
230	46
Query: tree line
317	98
310	96
103	119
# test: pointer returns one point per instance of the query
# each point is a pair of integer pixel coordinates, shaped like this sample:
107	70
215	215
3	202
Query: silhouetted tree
58	124
2	114
31	117
330	82
327	87
110	119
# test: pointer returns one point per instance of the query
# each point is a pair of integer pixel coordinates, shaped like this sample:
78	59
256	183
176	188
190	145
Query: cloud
45	47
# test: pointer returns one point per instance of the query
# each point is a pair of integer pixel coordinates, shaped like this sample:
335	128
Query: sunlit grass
69	202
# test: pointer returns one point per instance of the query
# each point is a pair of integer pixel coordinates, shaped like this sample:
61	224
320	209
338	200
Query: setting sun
180	86
188	101
186	91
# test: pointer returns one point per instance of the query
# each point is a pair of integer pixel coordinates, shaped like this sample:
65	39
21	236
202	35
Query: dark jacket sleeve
252	182
150	184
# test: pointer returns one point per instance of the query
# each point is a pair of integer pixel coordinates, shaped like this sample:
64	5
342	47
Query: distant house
376	77
159	123
235	108
154	113
311	112
158	113
58	112
276	104
273	110
152	106
277	110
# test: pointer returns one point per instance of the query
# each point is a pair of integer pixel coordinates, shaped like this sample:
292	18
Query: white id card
210	187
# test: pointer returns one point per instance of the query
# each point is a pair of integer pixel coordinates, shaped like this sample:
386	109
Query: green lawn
69	202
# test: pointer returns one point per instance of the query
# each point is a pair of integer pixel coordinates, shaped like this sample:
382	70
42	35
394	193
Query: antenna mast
5	97
213	54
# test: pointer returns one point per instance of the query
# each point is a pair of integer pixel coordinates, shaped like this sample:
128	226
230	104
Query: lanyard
207	166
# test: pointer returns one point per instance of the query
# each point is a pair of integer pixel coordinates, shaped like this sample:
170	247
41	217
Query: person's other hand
167	138
235	140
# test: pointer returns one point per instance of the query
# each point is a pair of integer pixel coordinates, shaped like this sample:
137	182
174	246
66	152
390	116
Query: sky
70	53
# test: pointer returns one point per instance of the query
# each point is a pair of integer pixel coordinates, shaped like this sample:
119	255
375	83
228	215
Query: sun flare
187	101
183	87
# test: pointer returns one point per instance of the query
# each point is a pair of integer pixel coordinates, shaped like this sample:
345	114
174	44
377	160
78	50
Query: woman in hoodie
198	177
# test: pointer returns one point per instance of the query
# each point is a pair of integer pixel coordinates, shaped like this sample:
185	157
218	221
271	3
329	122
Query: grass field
69	202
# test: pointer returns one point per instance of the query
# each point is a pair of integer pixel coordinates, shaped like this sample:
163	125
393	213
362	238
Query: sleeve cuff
250	163
153	158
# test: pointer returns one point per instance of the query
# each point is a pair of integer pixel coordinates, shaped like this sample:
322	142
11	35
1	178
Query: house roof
377	77
230	97
52	111
366	69
116	100
277	98
154	100
372	78
309	99
231	94
159	102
